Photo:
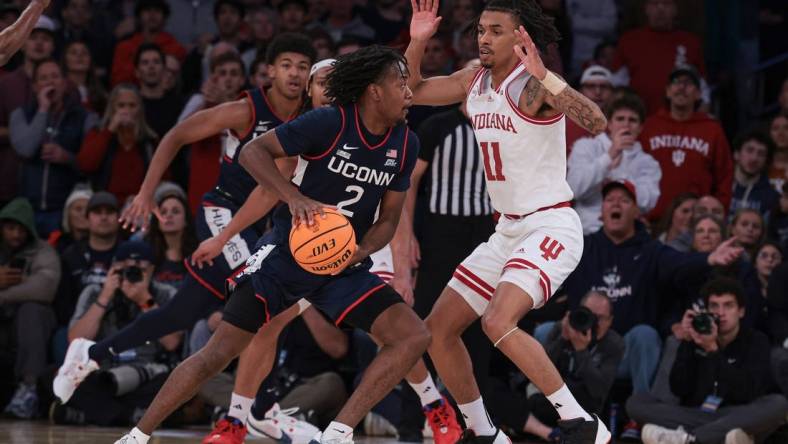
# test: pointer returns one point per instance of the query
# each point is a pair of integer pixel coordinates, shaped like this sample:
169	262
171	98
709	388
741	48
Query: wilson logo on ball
326	246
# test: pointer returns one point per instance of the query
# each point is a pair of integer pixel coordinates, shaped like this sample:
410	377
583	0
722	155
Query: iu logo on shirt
551	248
678	157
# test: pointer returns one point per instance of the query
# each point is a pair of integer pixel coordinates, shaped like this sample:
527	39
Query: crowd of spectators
694	160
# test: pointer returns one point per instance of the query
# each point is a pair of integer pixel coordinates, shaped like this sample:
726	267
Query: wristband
100	304
553	83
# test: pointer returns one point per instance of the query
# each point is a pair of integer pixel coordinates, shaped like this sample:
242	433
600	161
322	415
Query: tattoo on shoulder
533	88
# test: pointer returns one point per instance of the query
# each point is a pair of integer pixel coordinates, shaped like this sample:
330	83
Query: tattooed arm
568	100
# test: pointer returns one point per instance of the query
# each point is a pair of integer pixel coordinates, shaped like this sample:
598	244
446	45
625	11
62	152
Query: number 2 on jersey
491	152
358	192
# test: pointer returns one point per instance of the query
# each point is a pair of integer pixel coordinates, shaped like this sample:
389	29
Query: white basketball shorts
536	253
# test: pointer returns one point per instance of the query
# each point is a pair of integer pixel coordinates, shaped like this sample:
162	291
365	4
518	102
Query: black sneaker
64	415
468	437
580	431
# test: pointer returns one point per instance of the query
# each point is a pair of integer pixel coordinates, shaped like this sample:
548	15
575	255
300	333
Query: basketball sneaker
443	422
654	434
76	367
226	431
580	431
469	437
127	439
318	439
279	425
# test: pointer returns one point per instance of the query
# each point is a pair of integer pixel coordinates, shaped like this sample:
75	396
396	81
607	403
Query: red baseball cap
625	184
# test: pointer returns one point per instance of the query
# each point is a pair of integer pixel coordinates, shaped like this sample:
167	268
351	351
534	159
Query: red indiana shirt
694	156
650	56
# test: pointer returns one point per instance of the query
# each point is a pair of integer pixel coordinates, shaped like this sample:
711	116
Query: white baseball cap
320	65
45	23
596	72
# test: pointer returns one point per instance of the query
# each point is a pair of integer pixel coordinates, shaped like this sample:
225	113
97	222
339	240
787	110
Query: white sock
240	407
426	390
140	437
566	405
337	430
476	418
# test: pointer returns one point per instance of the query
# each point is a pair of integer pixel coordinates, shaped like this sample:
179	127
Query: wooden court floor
41	432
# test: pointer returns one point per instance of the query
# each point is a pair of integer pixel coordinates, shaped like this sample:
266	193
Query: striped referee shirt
455	176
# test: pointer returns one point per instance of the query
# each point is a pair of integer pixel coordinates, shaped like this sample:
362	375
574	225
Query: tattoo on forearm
581	109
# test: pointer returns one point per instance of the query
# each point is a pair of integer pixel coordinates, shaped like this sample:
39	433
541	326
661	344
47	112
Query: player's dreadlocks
539	25
355	71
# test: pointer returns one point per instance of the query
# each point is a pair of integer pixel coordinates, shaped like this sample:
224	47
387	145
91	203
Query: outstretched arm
440	90
552	90
233	115
382	231
257	205
13	37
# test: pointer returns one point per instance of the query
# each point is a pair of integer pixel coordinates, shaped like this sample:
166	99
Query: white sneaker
127	439
654	434
738	436
280	426
76	367
318	439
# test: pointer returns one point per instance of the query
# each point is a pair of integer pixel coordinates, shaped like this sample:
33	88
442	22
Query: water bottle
614	419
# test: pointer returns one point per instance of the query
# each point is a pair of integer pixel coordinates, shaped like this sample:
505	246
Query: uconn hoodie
693	155
640	275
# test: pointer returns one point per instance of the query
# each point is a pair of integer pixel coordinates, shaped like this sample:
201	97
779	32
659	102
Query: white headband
320	65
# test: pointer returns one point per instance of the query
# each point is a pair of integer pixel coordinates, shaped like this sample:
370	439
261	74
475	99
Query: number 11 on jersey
493	167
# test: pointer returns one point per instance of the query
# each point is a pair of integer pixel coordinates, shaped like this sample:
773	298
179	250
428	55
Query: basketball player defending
371	97
517	110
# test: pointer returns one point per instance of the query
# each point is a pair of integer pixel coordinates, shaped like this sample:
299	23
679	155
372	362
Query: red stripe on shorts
544	280
358	301
476	279
472	286
265	304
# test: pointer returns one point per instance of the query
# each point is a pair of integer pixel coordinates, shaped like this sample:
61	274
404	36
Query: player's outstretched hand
726	253
425	20
208	249
528	54
304	209
137	215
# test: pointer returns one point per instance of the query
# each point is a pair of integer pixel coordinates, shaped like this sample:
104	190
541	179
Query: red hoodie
123	60
694	156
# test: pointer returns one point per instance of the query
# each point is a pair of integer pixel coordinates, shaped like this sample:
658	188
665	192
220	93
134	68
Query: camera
582	319
702	322
132	274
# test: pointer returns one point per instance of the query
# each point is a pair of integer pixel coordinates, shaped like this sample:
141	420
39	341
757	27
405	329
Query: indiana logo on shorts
551	248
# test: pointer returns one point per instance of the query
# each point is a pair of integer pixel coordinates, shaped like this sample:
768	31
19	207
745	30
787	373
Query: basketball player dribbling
517	109
371	97
440	415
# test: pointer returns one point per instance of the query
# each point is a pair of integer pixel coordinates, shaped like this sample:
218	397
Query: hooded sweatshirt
759	196
639	275
589	169
694	156
42	270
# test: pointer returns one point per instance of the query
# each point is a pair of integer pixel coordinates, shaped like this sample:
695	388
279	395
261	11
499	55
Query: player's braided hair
355	71
539	25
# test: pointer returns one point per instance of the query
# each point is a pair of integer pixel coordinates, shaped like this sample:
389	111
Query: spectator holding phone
720	375
29	272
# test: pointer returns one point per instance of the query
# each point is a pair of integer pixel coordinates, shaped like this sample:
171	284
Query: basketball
326	246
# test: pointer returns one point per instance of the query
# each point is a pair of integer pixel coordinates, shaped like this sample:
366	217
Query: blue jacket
47	185
641	275
760	196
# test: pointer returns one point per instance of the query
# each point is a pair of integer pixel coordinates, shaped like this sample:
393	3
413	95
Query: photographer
721	375
131	380
586	353
29	272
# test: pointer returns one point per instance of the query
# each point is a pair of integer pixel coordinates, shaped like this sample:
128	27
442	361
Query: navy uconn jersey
233	178
340	163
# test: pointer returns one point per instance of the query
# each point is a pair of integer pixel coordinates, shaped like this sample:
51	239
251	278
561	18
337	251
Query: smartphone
18	263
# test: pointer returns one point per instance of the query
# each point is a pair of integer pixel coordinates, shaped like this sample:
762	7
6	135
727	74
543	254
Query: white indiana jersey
524	157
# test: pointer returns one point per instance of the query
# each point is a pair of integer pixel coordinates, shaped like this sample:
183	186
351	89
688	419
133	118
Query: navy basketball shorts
356	296
212	217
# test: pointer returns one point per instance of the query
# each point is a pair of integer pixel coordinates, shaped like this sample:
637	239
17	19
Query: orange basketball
326	246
